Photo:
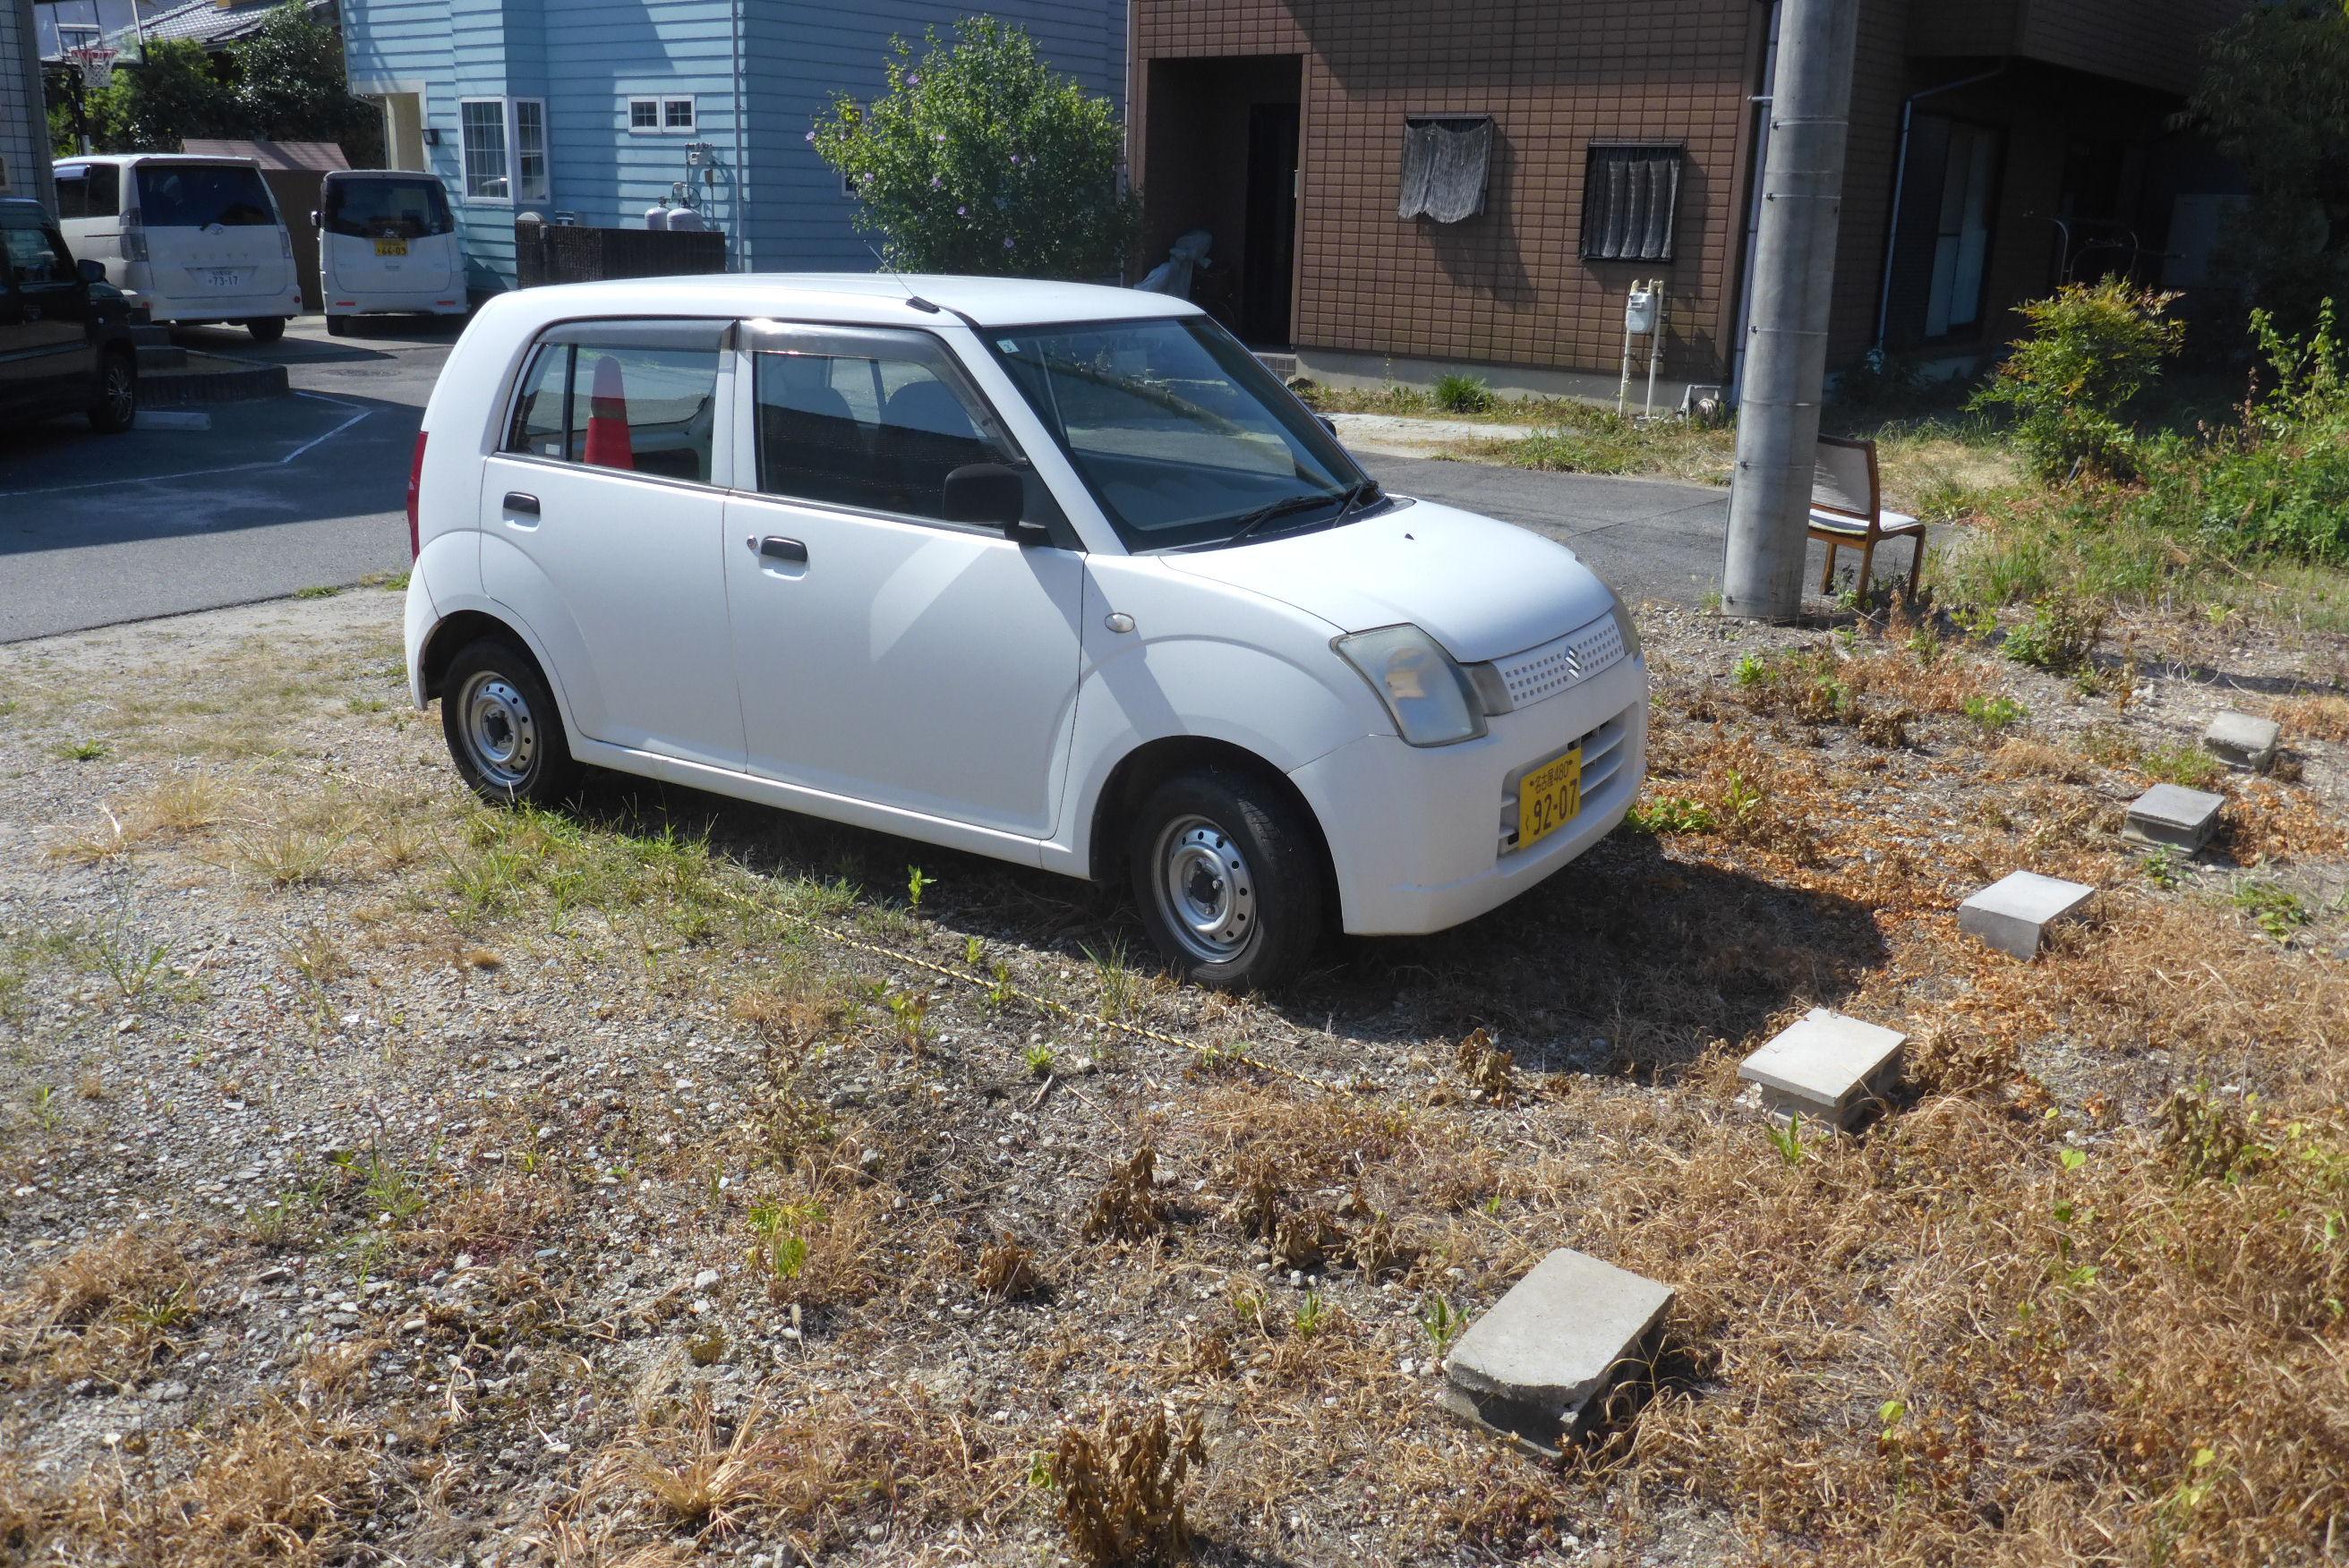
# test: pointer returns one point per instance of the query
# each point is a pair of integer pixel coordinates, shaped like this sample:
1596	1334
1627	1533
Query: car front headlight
1424	688
1624	623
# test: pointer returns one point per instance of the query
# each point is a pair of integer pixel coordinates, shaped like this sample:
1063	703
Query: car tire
116	408
338	327
1228	879
503	730
266	329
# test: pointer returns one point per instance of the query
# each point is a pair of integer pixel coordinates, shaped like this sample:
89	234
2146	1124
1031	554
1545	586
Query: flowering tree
981	158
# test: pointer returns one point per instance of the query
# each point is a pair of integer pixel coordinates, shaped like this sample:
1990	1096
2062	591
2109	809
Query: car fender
1183	686
514	590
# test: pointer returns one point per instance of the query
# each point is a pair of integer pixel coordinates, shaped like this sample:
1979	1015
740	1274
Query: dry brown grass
112	1309
2315	717
279	1484
1120	1488
1127	1208
177	806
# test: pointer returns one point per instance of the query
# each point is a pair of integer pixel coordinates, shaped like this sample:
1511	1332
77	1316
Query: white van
1048	571
188	239
386	246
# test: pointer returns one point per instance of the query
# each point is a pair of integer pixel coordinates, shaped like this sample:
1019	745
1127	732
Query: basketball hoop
95	63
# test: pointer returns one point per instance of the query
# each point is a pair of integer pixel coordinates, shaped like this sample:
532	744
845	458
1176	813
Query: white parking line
230	468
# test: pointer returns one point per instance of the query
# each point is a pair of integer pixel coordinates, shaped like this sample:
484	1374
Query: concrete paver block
2239	740
2014	913
2174	817
1532	1368
1824	1066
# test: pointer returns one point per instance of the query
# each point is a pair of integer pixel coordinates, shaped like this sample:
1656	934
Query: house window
530	149
481	132
503	146
1445	160
1630	191
1953	302
661	116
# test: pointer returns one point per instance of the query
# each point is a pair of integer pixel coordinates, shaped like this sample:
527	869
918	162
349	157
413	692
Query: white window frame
509	120
661	103
544	191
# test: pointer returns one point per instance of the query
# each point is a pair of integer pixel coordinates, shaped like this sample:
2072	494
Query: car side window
869	418
36	258
637	397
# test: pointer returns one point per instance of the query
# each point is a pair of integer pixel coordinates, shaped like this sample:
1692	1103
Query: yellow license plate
391	247
1549	797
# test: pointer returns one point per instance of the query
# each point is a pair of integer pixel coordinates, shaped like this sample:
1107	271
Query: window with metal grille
1445	160
1629	192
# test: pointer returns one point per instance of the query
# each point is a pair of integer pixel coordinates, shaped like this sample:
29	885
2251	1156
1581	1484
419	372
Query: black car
65	331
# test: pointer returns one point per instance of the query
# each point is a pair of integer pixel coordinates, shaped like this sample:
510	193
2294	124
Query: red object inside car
608	445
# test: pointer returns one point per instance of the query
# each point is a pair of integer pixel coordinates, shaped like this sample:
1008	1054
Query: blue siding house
598	108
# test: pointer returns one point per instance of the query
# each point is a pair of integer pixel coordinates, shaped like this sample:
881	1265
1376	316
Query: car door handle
522	502
774	547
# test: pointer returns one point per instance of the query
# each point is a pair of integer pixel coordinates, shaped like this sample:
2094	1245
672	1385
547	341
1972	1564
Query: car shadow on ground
1628	961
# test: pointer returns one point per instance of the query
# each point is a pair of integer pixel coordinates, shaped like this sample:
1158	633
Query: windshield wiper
1251	522
1363	494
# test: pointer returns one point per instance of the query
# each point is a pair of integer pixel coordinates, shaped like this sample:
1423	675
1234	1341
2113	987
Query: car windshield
199	195
1182	435
386	209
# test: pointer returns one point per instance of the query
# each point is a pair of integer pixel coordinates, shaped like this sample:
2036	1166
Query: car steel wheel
500	733
1204	889
120	391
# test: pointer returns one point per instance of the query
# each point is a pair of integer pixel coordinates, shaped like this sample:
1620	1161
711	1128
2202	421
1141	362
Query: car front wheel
1228	878
338	327
117	405
503	731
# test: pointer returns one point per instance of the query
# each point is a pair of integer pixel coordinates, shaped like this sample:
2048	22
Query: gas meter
1640	311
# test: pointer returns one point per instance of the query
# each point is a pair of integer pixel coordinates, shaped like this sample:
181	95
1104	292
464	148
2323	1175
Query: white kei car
1052	573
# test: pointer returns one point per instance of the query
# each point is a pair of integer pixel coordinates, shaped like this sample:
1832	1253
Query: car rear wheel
266	329
1228	878
503	731
338	327
117	405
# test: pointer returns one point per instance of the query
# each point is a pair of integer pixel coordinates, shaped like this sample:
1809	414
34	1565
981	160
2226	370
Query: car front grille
1562	664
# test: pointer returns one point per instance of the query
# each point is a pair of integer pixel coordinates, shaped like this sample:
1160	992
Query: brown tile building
1623	144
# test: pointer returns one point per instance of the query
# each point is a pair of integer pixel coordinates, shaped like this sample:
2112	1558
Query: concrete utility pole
1793	288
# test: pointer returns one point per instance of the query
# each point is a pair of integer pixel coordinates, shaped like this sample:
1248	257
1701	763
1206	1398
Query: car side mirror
91	272
993	494
1326	422
314	219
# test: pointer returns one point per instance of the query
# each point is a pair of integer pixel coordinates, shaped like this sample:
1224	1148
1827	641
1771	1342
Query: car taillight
415	482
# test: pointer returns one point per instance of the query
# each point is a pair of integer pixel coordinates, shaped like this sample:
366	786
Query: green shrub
981	158
2063	628
1457	394
1993	714
2092	351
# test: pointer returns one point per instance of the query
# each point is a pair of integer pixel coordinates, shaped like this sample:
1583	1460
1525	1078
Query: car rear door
211	229
45	353
385	236
884	654
602	515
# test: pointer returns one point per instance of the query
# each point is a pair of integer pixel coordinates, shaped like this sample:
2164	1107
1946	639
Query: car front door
885	654
45	352
603	517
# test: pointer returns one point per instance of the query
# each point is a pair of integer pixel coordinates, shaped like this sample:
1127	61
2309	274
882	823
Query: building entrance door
1270	263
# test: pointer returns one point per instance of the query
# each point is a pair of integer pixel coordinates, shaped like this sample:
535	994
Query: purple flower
940	137
936	182
913	78
1015	160
1006	242
868	180
962	212
810	136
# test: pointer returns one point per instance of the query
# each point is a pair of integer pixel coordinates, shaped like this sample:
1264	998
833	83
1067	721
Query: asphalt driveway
308	491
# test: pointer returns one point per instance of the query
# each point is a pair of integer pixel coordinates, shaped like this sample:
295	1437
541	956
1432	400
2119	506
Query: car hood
1481	587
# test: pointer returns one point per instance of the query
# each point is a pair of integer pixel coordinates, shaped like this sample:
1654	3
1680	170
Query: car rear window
640	397
386	209
199	195
89	191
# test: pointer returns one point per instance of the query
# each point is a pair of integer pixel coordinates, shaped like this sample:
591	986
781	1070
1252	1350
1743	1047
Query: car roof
157	157
381	174
868	296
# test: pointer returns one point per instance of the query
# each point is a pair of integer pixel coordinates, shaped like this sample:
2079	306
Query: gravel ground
452	1187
